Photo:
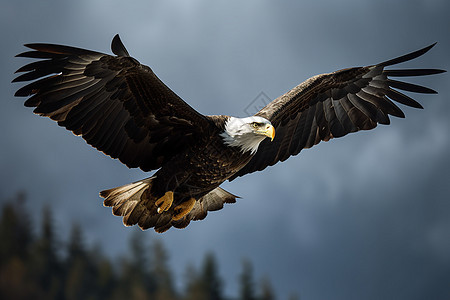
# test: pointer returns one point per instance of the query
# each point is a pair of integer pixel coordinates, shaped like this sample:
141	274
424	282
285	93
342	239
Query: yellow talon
165	202
183	209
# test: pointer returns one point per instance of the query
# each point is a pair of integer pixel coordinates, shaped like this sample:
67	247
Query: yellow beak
269	132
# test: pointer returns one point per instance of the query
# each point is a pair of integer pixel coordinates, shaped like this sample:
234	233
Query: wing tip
412	72
408	56
117	47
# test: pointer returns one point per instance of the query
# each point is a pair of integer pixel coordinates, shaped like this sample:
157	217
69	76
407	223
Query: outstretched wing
116	104
332	105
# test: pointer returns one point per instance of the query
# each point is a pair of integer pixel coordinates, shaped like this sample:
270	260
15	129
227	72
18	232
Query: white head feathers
246	133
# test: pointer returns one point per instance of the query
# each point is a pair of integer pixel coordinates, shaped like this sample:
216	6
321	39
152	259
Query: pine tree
81	272
15	229
194	285
210	278
205	285
246	281
31	268
266	289
142	284
122	288
105	280
163	277
46	264
16	280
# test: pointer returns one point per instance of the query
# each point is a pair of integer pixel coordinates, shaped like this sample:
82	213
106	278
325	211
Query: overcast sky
366	216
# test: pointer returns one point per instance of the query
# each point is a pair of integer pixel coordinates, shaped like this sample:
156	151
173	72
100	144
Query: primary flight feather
123	109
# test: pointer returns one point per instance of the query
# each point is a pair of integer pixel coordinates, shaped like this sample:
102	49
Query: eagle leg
183	209
165	202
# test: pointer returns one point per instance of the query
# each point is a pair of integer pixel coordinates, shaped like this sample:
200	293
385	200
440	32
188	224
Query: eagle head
247	133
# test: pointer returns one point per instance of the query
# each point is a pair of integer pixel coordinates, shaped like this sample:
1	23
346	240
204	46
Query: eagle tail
136	205
126	198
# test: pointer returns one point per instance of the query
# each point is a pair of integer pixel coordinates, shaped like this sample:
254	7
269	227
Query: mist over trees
40	265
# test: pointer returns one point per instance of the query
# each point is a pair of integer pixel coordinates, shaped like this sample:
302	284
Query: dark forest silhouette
38	265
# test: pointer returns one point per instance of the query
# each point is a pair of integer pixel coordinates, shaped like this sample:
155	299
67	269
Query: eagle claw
183	209
165	202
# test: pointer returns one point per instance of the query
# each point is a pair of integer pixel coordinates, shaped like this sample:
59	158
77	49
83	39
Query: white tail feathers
130	202
124	198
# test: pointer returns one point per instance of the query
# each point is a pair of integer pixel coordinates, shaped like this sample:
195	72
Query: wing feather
116	104
335	104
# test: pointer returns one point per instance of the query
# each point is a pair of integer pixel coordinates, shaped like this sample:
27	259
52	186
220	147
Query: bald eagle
124	110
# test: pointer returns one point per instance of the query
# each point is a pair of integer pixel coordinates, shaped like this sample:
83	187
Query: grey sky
362	217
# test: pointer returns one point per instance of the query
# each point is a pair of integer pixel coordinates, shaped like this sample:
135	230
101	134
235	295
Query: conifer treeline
40	266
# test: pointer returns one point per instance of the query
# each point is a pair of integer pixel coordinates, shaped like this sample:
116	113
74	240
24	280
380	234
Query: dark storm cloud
363	217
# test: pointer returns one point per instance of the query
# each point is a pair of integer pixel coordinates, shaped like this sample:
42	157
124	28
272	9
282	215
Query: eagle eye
254	124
